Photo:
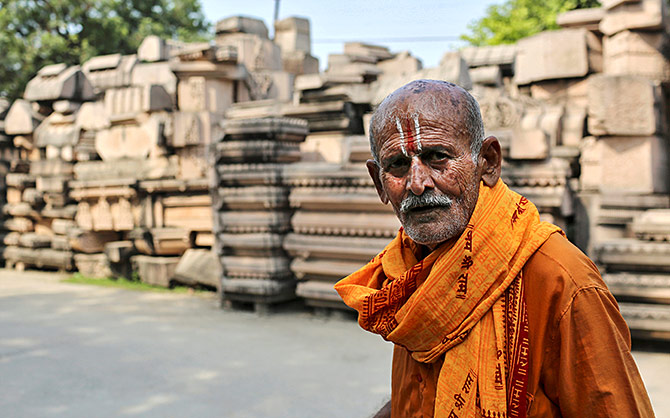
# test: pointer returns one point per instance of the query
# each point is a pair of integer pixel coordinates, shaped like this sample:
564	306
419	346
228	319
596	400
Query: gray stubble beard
461	217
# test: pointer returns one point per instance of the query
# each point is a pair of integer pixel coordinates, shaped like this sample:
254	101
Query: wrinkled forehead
431	108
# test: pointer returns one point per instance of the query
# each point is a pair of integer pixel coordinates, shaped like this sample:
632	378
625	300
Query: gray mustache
413	201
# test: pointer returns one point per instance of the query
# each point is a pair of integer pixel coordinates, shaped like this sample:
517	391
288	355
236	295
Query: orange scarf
463	301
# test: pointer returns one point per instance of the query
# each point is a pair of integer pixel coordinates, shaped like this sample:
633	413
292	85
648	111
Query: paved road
83	351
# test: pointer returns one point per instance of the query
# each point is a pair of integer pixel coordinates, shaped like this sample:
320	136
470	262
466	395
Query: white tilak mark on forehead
417	130
402	136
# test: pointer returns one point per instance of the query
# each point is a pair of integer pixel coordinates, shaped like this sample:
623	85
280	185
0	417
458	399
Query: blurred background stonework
238	166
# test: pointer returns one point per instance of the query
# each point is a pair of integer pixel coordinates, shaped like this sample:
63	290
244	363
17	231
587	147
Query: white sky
373	21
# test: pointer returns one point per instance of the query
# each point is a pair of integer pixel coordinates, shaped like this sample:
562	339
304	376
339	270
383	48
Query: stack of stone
174	236
42	208
550	93
625	174
339	223
128	128
8	162
637	271
251	208
260	57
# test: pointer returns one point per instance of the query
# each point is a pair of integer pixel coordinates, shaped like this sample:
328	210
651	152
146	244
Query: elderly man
493	313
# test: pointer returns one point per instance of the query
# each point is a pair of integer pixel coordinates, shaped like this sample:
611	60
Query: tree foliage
40	32
515	19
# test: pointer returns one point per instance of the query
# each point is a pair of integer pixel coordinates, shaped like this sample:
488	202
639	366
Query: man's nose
420	177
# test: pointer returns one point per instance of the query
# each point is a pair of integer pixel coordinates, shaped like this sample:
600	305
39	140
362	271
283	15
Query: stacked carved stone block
339	223
252	214
46	132
637	271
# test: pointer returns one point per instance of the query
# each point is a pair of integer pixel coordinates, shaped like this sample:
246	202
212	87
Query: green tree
40	32
515	19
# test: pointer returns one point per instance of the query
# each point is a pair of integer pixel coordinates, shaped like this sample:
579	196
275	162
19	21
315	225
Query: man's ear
490	159
373	170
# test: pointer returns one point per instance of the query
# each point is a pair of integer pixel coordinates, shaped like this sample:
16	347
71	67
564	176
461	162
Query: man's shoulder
559	259
557	273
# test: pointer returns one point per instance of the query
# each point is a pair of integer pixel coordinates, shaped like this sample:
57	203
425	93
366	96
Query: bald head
437	100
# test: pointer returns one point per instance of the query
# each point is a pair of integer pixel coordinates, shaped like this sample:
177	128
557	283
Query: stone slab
623	105
351	224
258	290
333	247
58	82
156	271
93	265
642	15
588	18
110	71
242	222
637	53
251	198
199	267
634	164
90	242
21	119
242	24
249	245
557	54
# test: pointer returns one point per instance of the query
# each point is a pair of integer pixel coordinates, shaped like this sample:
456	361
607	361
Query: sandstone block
157	271
33	240
199	267
489	75
156	73
57	82
582	18
196	128
573	126
242	24
652	225
118	255
110	71
637	53
630	164
623	105
642	15
363	49
611	4
153	49
124	103
480	56
530	140
161	241
402	63
90	242
93	265
199	94
21	119
557	54
254	52
299	62
293	34
127	168
92	116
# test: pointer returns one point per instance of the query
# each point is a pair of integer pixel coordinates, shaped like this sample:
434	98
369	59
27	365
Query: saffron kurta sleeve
580	360
581	365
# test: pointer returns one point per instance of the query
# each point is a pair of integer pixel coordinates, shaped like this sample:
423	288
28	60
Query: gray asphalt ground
71	350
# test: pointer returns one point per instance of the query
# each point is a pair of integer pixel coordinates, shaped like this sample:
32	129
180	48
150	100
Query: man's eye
437	156
399	163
